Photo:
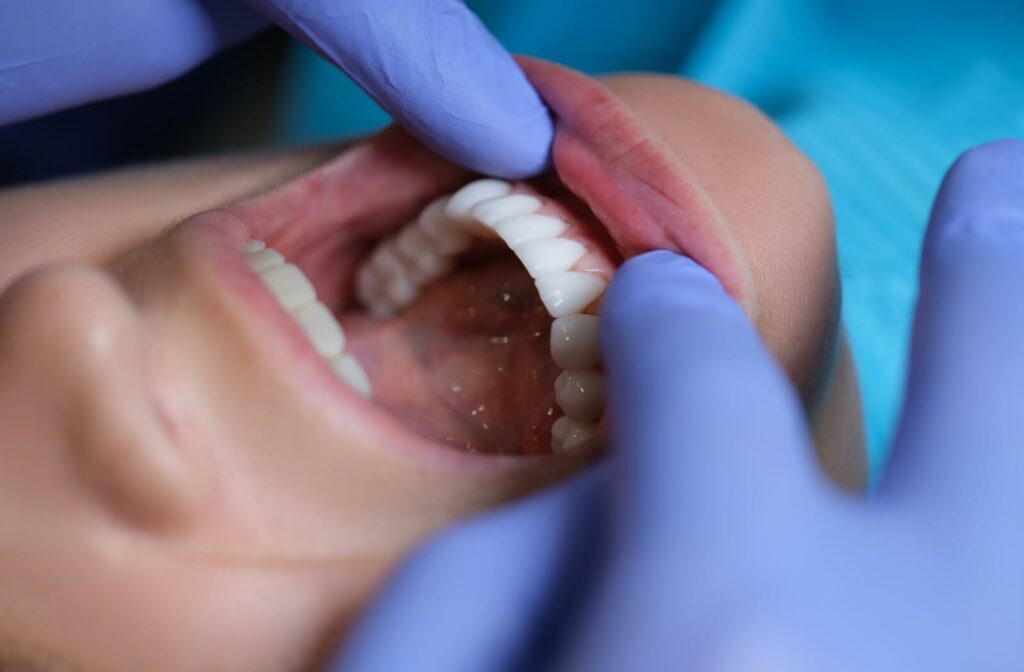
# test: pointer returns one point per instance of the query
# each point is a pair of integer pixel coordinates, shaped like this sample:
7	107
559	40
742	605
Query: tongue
469	363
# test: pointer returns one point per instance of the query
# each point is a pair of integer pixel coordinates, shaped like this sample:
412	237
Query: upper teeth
295	293
399	268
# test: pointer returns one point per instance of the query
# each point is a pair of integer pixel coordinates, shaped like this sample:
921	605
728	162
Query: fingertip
976	229
512	148
654	285
982	193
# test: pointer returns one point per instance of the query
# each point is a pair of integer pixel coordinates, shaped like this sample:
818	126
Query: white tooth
351	372
422	263
429	266
262	260
552	255
386	260
524	228
574	342
367	284
577	431
496	209
400	290
397	290
371	292
560	430
412	242
580	394
321	328
289	285
447	238
464	199
569	292
250	246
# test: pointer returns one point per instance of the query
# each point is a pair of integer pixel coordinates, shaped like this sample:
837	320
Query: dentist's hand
430	63
711	543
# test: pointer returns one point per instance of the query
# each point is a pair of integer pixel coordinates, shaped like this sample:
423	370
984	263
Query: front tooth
524	228
552	255
289	285
321	328
571	433
491	212
446	237
580	394
569	292
262	260
575	343
351	372
464	199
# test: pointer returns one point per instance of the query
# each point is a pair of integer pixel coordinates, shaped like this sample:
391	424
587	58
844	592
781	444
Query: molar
567	433
580	394
575	343
446	238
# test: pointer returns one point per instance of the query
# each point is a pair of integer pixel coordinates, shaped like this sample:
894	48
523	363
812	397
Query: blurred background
882	95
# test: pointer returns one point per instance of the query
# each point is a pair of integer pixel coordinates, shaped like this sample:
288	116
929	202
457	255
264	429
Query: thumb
706	428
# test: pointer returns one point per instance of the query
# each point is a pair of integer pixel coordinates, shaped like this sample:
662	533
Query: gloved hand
710	542
430	63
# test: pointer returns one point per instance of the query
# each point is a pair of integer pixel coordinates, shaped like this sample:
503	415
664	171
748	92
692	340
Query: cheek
777	207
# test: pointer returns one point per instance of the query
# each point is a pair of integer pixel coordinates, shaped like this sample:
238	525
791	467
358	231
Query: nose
72	345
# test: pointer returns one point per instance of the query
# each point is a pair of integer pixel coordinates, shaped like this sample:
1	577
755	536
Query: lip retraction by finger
568	268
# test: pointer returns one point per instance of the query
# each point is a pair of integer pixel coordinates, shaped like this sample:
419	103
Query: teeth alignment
424	250
295	293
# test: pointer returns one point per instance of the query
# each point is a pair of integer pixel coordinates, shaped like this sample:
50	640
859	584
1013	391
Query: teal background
882	95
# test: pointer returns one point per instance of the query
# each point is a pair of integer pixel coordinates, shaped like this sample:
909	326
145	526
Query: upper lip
644	194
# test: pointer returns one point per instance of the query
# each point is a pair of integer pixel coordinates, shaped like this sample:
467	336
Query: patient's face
185	480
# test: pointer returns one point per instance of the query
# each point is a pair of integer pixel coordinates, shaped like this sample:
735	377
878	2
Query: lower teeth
296	295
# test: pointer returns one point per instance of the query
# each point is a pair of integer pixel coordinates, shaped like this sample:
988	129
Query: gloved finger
62	53
963	424
437	70
485	594
707	433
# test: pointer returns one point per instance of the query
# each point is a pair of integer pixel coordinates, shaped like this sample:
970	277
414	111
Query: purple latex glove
430	63
710	542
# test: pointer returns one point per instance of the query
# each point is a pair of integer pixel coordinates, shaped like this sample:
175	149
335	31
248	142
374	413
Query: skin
170	500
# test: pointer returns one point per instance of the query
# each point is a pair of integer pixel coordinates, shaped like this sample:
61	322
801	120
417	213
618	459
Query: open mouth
469	308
